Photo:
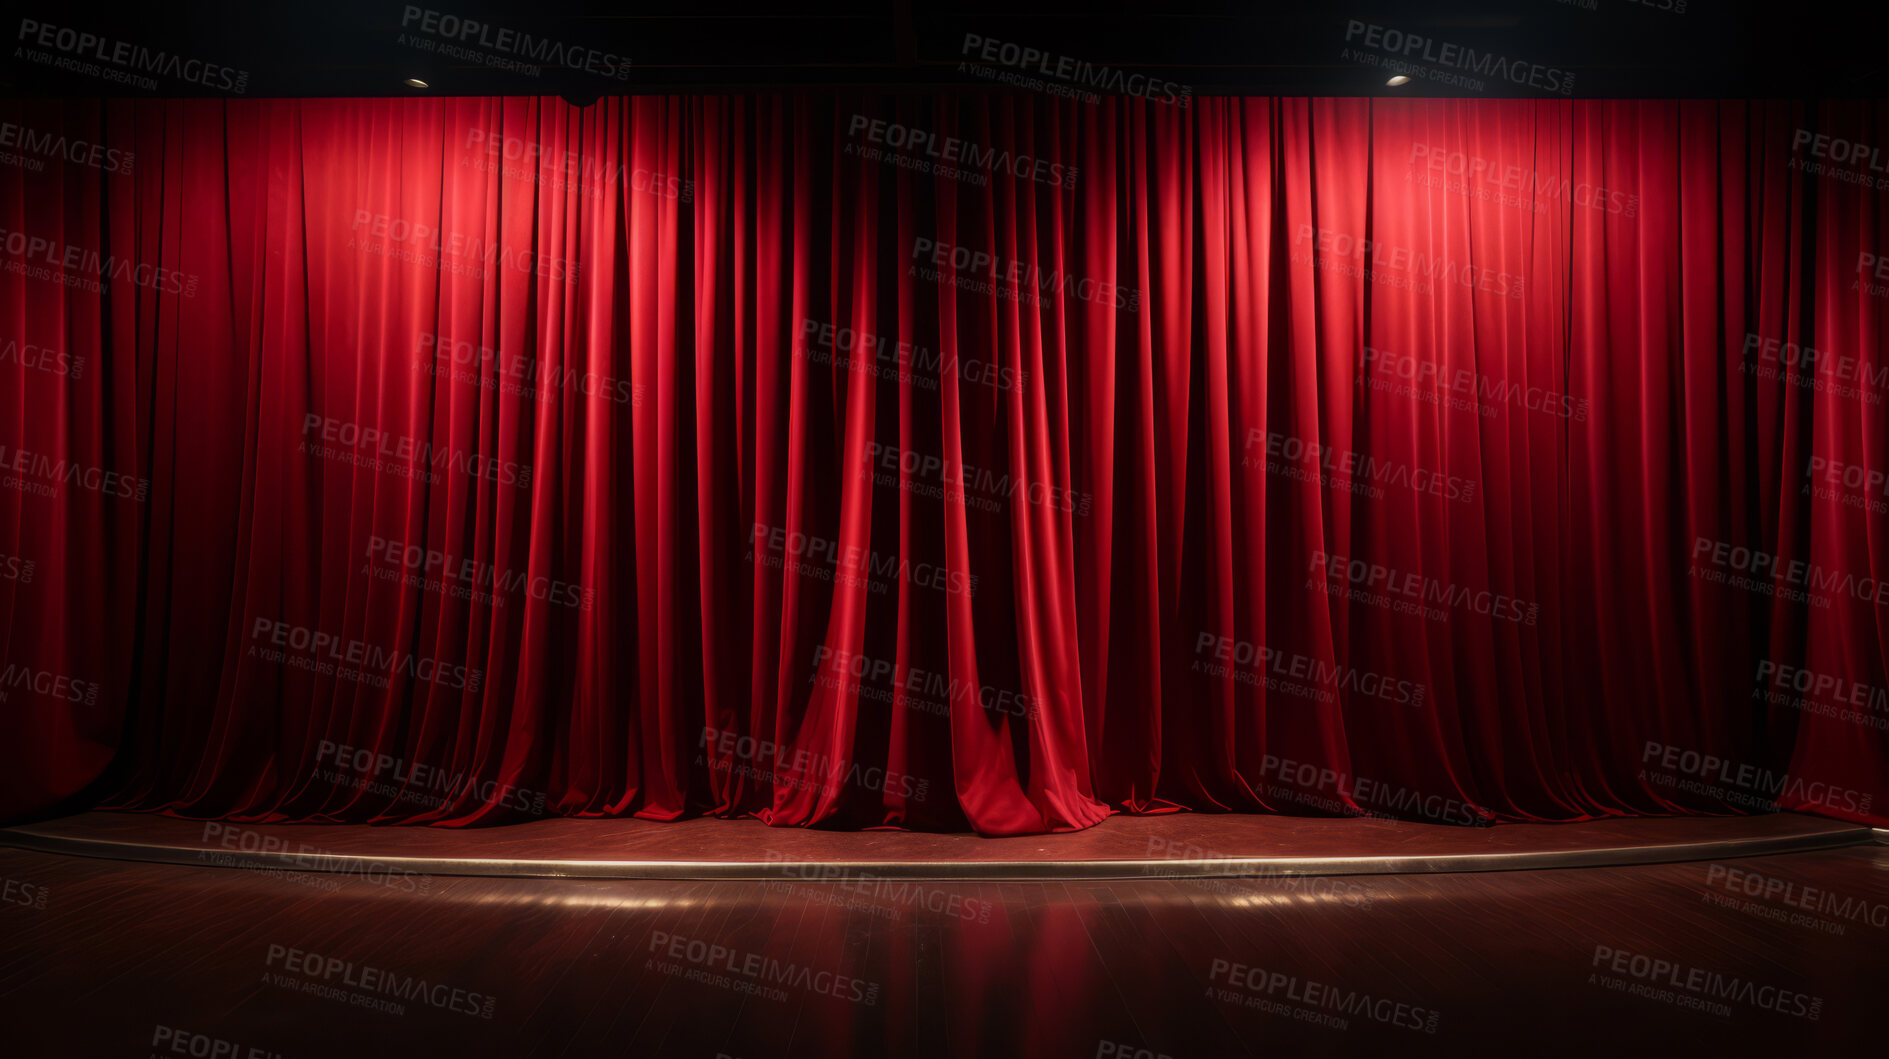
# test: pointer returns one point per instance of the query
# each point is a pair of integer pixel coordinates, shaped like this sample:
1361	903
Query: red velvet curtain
943	462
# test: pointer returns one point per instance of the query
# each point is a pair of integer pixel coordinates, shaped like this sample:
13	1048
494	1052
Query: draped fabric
962	461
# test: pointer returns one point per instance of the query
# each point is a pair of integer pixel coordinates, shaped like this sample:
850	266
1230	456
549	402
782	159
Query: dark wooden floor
1167	836
99	958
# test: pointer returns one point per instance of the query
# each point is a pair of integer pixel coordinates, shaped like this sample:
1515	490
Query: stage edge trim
961	871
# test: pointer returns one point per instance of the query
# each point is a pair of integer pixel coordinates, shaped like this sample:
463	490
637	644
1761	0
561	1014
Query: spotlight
414	82
1400	79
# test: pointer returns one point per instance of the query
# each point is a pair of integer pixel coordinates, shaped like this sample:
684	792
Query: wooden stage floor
1785	953
1168	845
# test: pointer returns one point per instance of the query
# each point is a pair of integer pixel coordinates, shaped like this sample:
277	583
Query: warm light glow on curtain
942	462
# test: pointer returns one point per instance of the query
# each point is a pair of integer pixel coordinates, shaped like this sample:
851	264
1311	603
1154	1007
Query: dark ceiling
1614	48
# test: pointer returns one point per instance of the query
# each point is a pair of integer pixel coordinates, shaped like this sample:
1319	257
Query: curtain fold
945	461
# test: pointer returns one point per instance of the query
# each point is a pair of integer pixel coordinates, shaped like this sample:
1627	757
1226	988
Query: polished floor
1193	844
1773	955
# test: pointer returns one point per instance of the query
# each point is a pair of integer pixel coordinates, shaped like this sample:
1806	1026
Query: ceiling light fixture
414	82
1400	79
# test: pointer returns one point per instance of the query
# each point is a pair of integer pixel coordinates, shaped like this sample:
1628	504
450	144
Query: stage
1176	936
943	532
1176	845
725	937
